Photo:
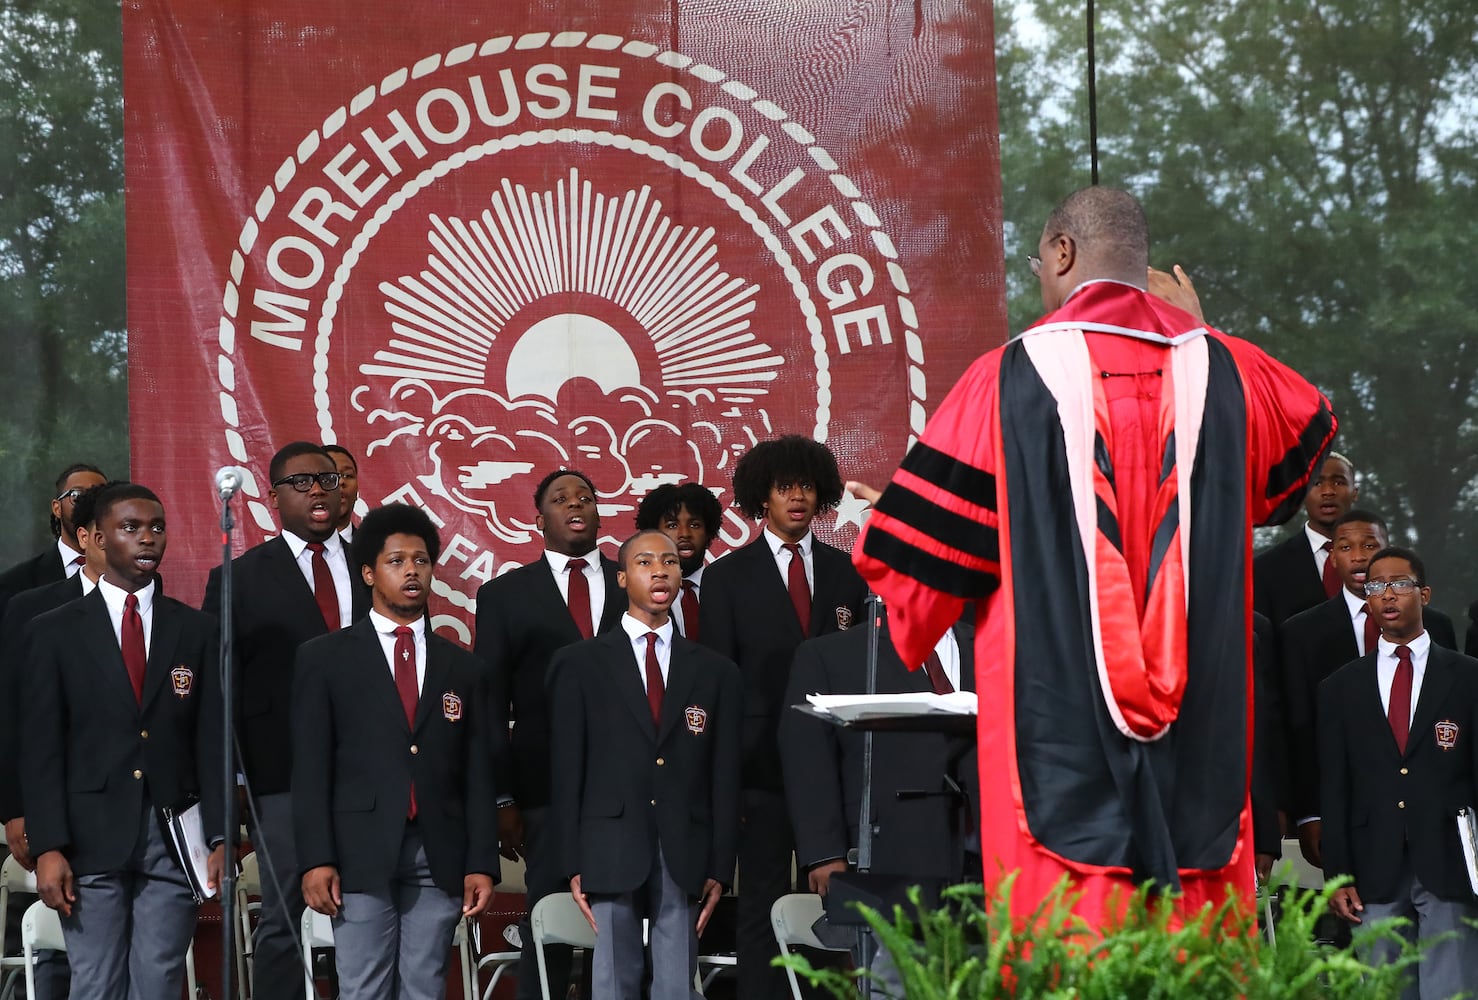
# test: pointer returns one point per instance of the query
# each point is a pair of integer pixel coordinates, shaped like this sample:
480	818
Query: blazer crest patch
1447	732
844	618
451	706
696	718
182	679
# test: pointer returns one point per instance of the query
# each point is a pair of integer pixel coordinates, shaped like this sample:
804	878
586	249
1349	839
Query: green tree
63	377
1314	165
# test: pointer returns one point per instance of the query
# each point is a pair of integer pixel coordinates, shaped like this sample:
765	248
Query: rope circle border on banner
865	214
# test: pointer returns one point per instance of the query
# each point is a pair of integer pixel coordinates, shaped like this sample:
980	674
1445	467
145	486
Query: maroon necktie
1400	711
1331	575
690	610
324	591
579	597
937	677
405	685
800	590
79	560
1372	630
654	679
134	656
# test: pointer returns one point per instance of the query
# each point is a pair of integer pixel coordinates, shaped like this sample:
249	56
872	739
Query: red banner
630	238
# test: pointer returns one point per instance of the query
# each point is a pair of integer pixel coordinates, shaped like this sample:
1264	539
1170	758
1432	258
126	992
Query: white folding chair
791	917
557	920
41	930
715	964
248	903
499	962
317	932
13	878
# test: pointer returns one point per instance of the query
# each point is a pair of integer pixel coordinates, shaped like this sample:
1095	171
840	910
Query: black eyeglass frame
303	481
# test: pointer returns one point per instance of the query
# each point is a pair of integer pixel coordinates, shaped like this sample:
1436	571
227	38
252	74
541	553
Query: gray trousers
394	943
277	962
618	964
1447	968
130	928
543	878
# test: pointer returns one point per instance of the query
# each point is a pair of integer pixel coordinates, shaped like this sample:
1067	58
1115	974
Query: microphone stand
865	944
228	771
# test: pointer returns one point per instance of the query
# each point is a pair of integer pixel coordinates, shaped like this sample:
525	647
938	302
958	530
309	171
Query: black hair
626	545
788	459
61	484
112	494
288	452
668	500
1106	223
84	511
1359	515
1397	552
393	519
544	484
338	449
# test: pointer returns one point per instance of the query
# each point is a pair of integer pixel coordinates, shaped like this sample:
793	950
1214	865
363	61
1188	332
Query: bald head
1094	233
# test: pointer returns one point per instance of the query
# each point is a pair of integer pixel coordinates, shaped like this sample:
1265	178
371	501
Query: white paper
187	830
1467	833
855	707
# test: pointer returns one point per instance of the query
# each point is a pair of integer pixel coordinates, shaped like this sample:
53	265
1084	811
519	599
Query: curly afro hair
788	459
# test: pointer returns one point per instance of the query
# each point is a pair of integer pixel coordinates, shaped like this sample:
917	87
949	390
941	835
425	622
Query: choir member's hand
711	892
321	890
862	491
477	894
54	882
1310	840
820	876
582	902
510	832
1346	904
1177	290
20	848
1263	864
215	867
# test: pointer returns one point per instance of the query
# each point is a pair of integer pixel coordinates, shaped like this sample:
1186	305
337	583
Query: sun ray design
527	246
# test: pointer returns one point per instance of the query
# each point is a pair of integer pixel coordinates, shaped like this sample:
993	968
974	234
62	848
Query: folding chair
13	878
791	917
499	961
557	920
248	905
41	930
318	932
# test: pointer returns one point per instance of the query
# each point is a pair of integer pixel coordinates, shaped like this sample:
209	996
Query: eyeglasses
1375	588
303	481
1035	263
73	494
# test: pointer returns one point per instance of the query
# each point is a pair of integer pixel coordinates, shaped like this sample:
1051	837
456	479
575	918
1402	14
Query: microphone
229	479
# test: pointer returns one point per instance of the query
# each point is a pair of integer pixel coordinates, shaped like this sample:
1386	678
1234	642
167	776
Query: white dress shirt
677	604
114	597
1358	609
1385	670
1316	544
782	557
594	576
385	631
637	631
948	651
69	558
337	558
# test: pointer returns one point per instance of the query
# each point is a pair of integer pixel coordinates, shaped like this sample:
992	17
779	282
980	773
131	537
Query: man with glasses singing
62	561
1398	757
284	592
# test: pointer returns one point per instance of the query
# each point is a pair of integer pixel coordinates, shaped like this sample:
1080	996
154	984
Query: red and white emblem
451	706
1446	731
844	618
697	719
183	679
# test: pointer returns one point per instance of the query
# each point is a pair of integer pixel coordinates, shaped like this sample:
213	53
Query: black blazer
1380	805
920	836
92	757
1312	646
1470	644
746	616
355	758
1269	784
622	785
14	635
38	571
522	621
1286	580
273	613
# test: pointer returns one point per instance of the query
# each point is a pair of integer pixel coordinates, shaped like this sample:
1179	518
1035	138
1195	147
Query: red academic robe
1093	485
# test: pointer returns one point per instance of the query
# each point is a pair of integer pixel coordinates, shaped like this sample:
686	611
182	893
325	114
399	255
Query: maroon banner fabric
629	238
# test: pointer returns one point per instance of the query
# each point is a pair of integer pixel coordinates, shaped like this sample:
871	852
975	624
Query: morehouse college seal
548	250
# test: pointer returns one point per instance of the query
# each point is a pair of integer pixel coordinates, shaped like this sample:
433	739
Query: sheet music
1467	832
854	707
187	831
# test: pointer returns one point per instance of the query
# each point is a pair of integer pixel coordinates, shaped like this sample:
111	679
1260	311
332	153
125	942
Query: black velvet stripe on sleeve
1308	453
952	475
932	571
953	530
